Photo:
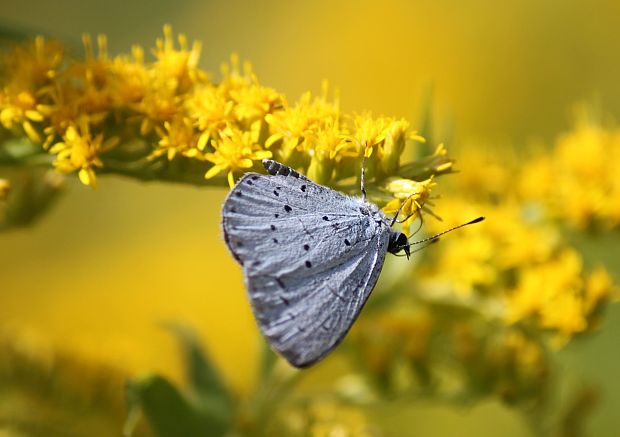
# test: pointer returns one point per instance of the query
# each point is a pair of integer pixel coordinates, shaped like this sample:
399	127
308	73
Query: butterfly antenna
433	241
434	237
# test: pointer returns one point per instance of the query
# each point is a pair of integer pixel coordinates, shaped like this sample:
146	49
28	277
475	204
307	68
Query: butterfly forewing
311	256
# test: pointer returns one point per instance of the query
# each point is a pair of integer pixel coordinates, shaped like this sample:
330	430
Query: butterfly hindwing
310	255
304	317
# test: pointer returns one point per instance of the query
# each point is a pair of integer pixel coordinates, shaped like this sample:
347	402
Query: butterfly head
399	242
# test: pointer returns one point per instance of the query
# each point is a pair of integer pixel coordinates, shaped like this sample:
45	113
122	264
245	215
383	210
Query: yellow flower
129	78
439	161
80	151
5	188
169	80
34	65
232	78
550	292
61	113
326	146
21	109
395	134
565	314
294	126
253	102
158	106
486	173
30	69
467	264
177	136
175	69
234	150
328	419
368	132
411	194
291	127
211	112
479	257
383	140
579	181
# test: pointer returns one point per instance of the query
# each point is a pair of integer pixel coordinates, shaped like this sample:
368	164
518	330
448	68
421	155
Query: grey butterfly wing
311	256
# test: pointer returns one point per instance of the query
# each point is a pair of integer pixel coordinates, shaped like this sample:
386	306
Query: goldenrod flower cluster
490	303
167	119
520	266
519	270
579	182
325	418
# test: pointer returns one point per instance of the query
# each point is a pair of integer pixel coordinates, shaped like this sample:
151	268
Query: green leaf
168	412
22	152
268	359
32	193
426	124
11	33
204	379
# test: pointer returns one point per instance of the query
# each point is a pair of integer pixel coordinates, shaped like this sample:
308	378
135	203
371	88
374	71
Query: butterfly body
310	255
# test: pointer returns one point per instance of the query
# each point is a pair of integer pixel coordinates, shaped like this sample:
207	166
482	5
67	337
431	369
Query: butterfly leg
362	182
402	205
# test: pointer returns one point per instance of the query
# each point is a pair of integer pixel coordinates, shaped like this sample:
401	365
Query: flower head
578	181
210	111
234	151
326	147
253	102
22	109
32	66
409	196
177	136
292	128
129	78
80	151
176	69
368	132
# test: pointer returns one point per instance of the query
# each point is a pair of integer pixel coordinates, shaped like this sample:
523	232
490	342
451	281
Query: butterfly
311	257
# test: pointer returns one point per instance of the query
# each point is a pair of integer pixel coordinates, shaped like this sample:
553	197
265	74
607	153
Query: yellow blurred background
101	272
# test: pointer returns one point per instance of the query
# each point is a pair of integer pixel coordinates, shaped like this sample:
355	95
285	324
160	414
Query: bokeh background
101	272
